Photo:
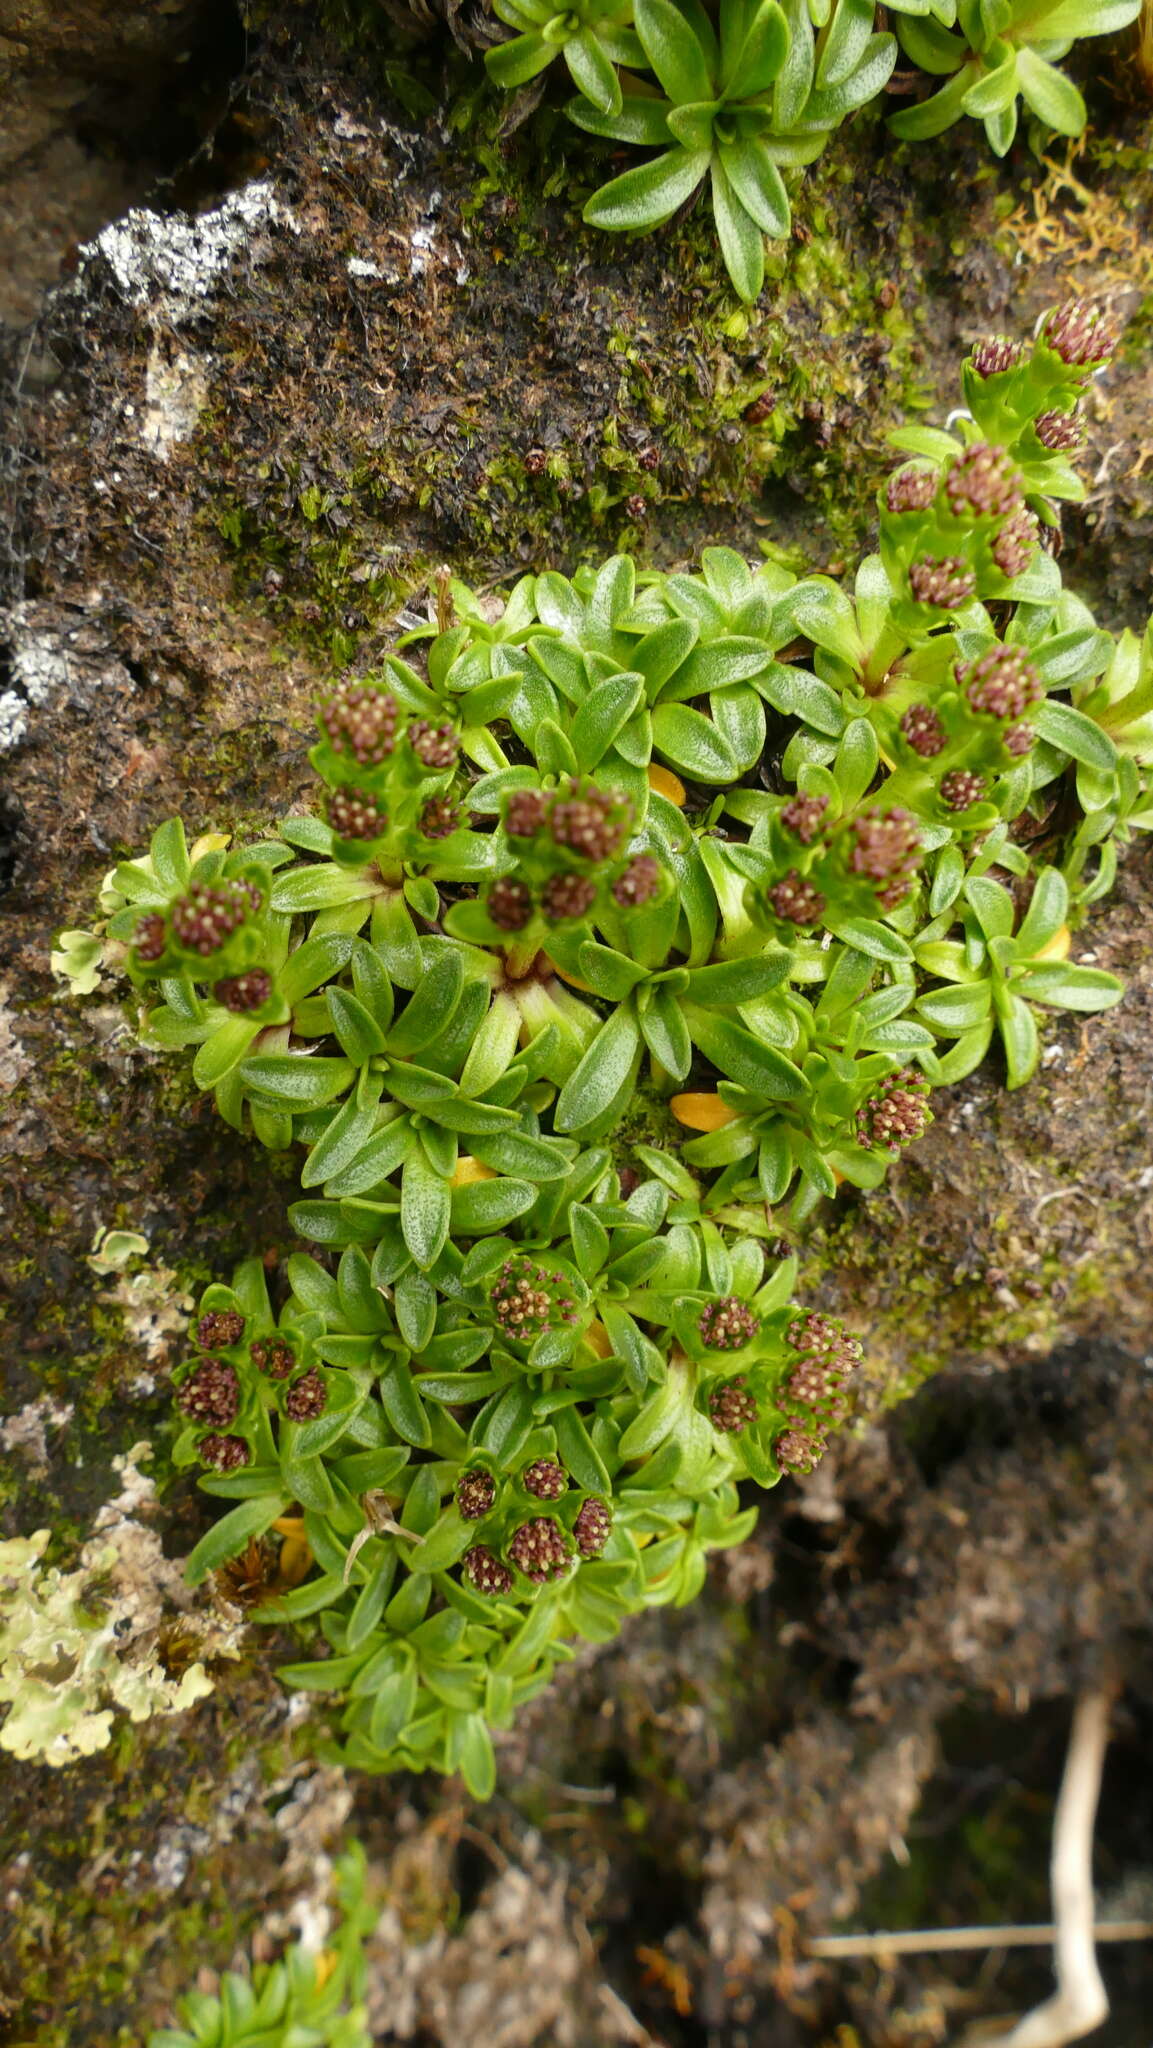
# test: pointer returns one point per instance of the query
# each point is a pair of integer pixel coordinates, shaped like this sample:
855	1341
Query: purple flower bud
946	582
526	1300
211	1393
360	720
150	938
509	904
275	1360
796	900
1019	740
486	1572
726	1324
1015	545
219	1326
526	813
961	788
436	746
803	816
818	1384
593	1526
731	1406
911	489
306	1398
823	1334
897	1113
205	919
983	483
591	821
224	1453
1002	682
797	1451
639	883
565	897
923	730
994	354
241	992
475	1494
885	849
1082	334
439	817
545	1478
539	1550
1063	430
357	814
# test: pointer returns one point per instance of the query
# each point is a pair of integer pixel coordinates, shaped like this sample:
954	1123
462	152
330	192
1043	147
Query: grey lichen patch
26	1432
14	1061
170	262
55	660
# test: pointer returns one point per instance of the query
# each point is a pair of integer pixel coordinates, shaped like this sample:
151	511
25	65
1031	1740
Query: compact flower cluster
731	96
512	1393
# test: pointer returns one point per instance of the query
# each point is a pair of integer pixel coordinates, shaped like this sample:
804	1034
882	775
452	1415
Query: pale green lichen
77	1647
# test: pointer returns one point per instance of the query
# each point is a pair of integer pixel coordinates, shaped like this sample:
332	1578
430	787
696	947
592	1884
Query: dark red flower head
983	483
361	721
727	1324
241	992
539	1550
731	1406
1082	334
211	1393
485	1572
592	1526
357	814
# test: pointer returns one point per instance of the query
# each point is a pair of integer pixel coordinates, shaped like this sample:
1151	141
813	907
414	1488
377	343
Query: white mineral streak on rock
175	394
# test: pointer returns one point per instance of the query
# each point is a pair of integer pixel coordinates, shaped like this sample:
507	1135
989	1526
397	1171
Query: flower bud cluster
946	582
897	1113
818	1382
1081	334
862	863
727	1324
217	1390
549	830
205	918
378	763
1001	683
525	1300
537	1548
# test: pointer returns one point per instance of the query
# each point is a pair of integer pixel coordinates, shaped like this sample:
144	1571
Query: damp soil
221	495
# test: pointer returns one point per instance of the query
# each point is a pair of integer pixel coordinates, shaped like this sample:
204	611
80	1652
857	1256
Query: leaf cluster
307	2000
782	854
731	94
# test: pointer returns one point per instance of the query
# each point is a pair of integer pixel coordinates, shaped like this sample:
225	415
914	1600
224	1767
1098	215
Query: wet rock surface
263	428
